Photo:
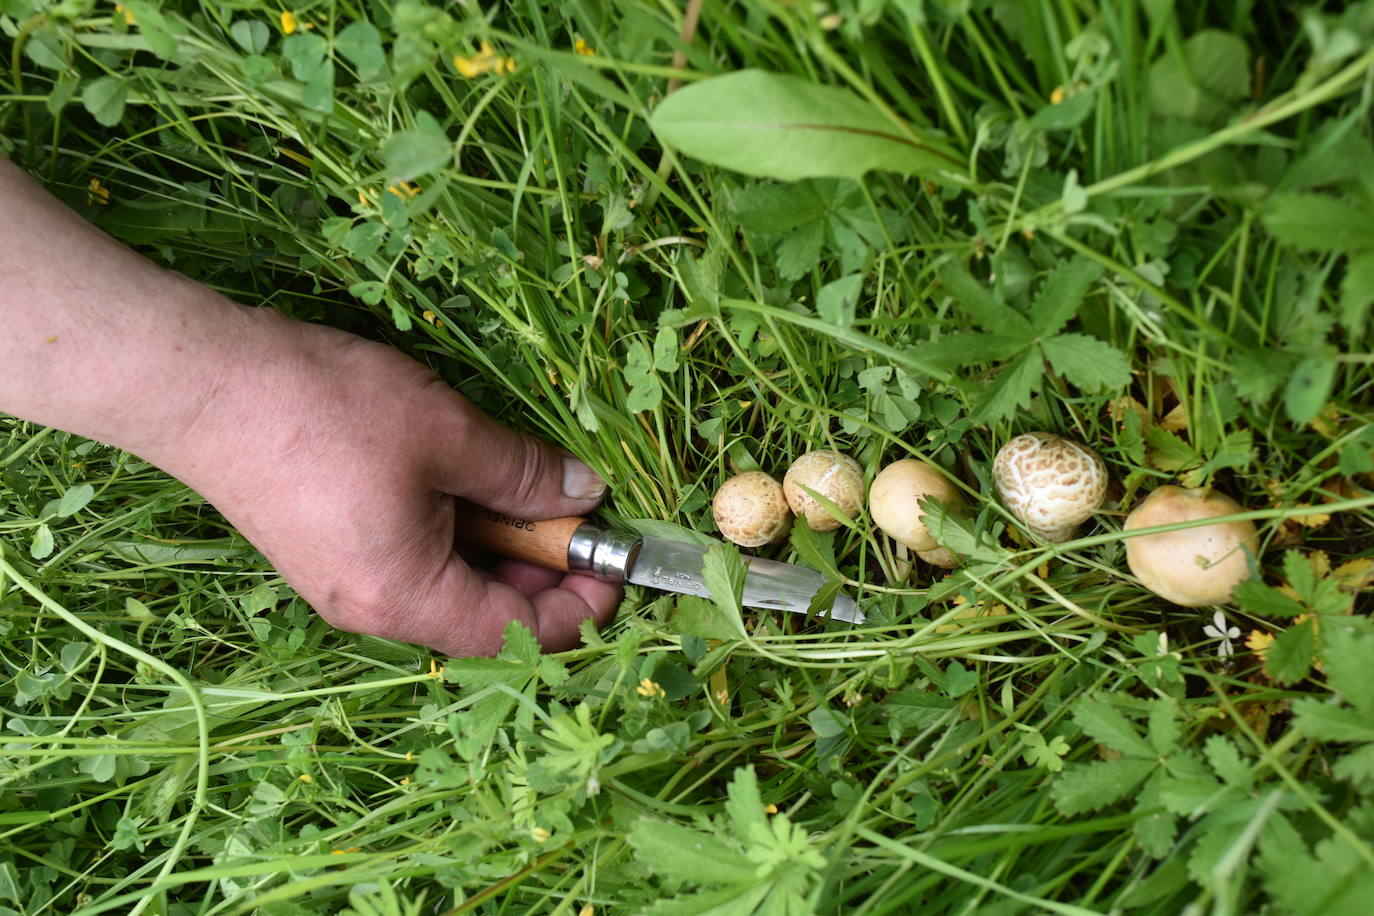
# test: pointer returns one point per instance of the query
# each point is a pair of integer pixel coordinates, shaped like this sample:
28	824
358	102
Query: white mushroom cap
750	510
836	477
1050	483
1193	566
894	501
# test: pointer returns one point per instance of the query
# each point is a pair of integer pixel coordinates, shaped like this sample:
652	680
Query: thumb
499	468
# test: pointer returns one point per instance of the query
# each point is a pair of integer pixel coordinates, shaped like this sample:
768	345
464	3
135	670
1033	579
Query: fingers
465	613
499	468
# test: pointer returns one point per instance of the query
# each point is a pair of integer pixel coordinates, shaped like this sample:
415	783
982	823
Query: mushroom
1192	566
894	502
1050	483
836	477
750	509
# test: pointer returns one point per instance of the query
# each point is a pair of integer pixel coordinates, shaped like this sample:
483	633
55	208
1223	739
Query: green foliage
781	126
891	228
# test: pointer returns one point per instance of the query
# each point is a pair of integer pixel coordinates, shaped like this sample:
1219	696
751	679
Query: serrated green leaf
958	534
1090	364
1061	295
1168	452
983	304
1010	391
723	573
1257	598
1319	222
967	348
815	548
684	854
1348	660
1104	723
772	209
773	125
1095	785
1326	721
694	616
1290	656
1154	829
1189	797
800	250
1356	766
1225	759
1164	727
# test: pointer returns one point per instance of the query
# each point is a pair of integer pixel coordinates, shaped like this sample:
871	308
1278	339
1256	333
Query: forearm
97	340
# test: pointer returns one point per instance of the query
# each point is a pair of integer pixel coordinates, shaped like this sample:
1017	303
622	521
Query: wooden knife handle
543	543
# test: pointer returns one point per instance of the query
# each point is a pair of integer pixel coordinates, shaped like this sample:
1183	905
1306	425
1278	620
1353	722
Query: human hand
340	460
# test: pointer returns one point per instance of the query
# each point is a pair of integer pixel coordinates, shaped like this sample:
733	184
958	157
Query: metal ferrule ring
602	554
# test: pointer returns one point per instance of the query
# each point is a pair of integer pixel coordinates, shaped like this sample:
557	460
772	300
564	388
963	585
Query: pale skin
340	459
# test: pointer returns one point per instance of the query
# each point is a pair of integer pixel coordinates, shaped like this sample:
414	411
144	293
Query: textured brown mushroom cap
1050	483
836	477
750	510
1193	566
894	502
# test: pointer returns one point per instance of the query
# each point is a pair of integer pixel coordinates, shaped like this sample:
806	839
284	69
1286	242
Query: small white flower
1219	630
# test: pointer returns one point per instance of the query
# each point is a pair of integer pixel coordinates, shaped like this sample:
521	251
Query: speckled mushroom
836	477
750	510
1050	483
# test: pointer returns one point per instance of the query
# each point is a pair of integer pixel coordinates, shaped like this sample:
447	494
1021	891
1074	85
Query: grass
1034	732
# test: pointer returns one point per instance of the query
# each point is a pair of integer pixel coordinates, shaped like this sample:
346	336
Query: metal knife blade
675	566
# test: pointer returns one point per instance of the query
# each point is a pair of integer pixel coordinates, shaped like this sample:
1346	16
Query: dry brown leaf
1175	420
1355	574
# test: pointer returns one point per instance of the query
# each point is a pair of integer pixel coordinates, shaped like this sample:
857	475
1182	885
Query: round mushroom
894	501
1050	483
836	477
1192	566
750	510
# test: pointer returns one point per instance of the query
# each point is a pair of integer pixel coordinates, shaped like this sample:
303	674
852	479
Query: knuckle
532	472
364	604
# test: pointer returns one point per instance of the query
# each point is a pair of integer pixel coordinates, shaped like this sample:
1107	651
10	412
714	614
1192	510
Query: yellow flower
404	189
486	60
128	16
97	193
288	22
649	688
435	670
539	834
1259	642
581	47
306	777
1057	95
770	808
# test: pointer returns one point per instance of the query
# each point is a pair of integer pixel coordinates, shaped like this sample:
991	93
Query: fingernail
580	481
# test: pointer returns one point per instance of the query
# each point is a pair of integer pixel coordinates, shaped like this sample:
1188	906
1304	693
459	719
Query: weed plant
1146	225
